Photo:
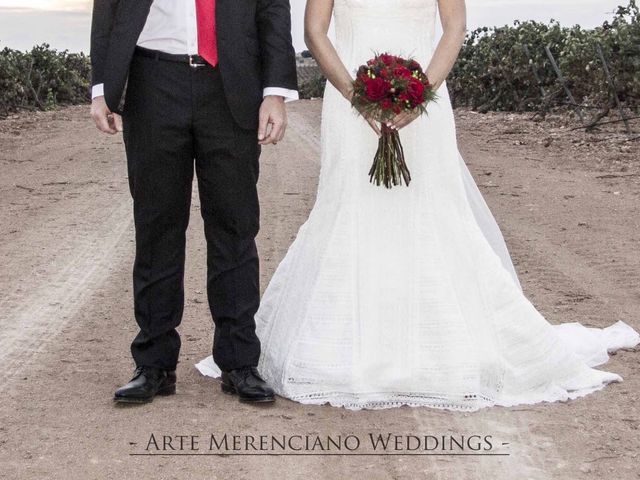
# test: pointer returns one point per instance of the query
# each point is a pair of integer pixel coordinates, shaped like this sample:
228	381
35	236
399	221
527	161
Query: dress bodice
399	27
388	7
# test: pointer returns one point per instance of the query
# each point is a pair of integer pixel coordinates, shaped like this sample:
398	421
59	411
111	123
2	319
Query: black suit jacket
254	49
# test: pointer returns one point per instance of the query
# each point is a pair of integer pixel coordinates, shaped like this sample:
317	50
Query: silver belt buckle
194	65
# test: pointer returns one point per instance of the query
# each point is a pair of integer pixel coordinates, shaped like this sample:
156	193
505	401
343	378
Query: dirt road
568	205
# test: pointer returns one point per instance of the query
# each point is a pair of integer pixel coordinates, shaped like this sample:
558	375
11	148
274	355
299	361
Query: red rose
415	90
377	89
387	59
386	104
401	72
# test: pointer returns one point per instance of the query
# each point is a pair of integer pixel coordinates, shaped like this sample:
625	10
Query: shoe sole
166	391
231	390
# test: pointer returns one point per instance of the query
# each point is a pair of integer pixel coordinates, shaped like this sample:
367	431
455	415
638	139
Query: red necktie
207	44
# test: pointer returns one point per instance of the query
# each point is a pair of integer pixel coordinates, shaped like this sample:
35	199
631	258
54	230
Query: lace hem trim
468	403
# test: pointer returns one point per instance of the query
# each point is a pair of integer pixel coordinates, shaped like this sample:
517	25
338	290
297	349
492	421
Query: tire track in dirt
38	309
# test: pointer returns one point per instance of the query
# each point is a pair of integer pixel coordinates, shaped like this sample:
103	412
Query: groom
205	83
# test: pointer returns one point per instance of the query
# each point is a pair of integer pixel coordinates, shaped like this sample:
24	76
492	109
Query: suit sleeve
104	13
276	47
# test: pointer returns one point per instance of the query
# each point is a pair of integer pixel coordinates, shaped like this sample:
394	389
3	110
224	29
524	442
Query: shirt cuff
288	95
97	91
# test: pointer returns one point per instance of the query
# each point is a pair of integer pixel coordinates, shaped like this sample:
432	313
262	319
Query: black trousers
176	118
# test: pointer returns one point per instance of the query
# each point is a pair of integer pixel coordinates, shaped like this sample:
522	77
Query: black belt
193	60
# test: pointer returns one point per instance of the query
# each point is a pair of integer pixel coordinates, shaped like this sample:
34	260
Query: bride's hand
373	122
402	120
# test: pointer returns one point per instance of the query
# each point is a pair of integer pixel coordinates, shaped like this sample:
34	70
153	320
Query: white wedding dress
408	296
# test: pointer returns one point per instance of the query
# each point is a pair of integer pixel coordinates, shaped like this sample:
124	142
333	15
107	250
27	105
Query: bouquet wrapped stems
389	167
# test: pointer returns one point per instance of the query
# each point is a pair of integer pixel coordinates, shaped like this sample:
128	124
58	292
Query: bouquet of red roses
384	87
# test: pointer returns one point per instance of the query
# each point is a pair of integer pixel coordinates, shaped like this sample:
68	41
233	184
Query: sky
65	24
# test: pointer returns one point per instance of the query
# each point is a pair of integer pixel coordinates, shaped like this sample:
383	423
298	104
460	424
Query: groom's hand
272	120
105	121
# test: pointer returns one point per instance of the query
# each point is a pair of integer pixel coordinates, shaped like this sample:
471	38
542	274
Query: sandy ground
568	203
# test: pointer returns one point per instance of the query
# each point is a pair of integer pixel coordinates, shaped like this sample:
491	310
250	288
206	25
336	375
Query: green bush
42	78
493	71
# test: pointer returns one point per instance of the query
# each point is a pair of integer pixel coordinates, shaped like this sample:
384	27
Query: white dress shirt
172	27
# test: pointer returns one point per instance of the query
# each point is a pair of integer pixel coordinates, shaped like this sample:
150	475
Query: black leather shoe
247	383
146	383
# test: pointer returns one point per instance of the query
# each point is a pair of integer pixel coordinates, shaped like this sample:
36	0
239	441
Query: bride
408	296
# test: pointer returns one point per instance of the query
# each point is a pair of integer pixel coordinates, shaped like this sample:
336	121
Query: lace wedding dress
408	296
